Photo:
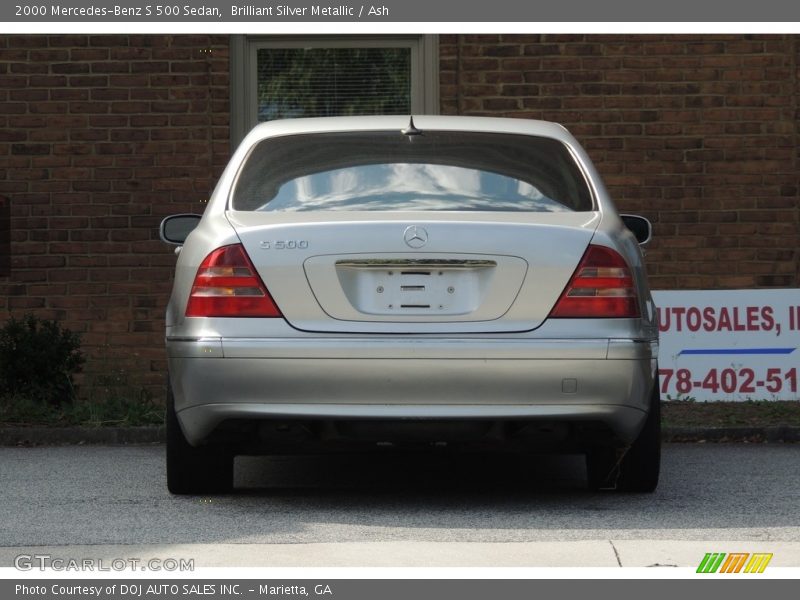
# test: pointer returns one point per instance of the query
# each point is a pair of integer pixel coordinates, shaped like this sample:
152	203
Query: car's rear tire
632	469
190	470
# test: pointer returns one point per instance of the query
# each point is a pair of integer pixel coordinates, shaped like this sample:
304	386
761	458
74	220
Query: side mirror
176	228
640	227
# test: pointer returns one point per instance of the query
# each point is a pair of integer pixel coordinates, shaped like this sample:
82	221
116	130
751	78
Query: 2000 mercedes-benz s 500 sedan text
404	281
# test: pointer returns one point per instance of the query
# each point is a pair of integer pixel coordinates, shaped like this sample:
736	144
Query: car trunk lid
470	272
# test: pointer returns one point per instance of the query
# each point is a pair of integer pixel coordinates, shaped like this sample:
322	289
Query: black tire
190	470
632	469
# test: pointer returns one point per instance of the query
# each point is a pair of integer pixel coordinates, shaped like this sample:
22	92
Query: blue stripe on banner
737	351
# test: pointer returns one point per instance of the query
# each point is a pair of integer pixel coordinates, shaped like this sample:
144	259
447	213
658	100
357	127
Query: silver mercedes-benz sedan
396	281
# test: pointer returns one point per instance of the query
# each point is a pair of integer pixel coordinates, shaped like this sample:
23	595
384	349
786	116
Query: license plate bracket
415	287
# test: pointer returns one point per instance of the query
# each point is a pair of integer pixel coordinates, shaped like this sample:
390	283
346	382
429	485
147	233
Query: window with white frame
289	77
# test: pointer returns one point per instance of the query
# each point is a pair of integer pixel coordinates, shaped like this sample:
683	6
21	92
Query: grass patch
39	362
751	413
115	411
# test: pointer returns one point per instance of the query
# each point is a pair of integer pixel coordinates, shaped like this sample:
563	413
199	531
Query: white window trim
243	96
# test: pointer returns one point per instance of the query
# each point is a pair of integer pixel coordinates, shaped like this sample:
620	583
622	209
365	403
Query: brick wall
100	137
698	133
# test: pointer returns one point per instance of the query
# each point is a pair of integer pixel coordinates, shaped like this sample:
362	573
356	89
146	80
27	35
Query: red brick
194	66
169	107
69	68
69	94
150	67
48	81
110	94
89	54
129	107
88	107
28	68
128	135
153	94
88	80
128	81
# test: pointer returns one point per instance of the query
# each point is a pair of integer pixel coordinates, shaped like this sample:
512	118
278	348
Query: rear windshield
389	171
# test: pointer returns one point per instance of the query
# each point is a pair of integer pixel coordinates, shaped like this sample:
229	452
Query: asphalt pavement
382	509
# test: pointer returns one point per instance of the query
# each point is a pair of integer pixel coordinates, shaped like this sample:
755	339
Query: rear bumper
215	380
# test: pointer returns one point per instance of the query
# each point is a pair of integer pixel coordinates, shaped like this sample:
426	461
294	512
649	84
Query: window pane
385	170
323	82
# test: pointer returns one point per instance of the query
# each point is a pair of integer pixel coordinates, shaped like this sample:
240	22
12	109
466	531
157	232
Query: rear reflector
227	285
601	287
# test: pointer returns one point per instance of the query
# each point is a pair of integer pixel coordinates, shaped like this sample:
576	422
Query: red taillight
227	285
602	286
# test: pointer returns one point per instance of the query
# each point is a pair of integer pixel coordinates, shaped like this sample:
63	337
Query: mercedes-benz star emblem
416	237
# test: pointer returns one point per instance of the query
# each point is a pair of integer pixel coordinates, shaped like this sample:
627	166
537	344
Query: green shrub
38	360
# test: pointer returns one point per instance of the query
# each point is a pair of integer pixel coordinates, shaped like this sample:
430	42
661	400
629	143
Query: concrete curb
654	554
115	436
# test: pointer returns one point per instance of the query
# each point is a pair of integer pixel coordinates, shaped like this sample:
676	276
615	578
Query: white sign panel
729	345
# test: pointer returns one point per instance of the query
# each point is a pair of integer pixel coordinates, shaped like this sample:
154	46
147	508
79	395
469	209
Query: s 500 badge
284	245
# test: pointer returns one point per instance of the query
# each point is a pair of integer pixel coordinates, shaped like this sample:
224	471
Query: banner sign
729	345
393	589
394	11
